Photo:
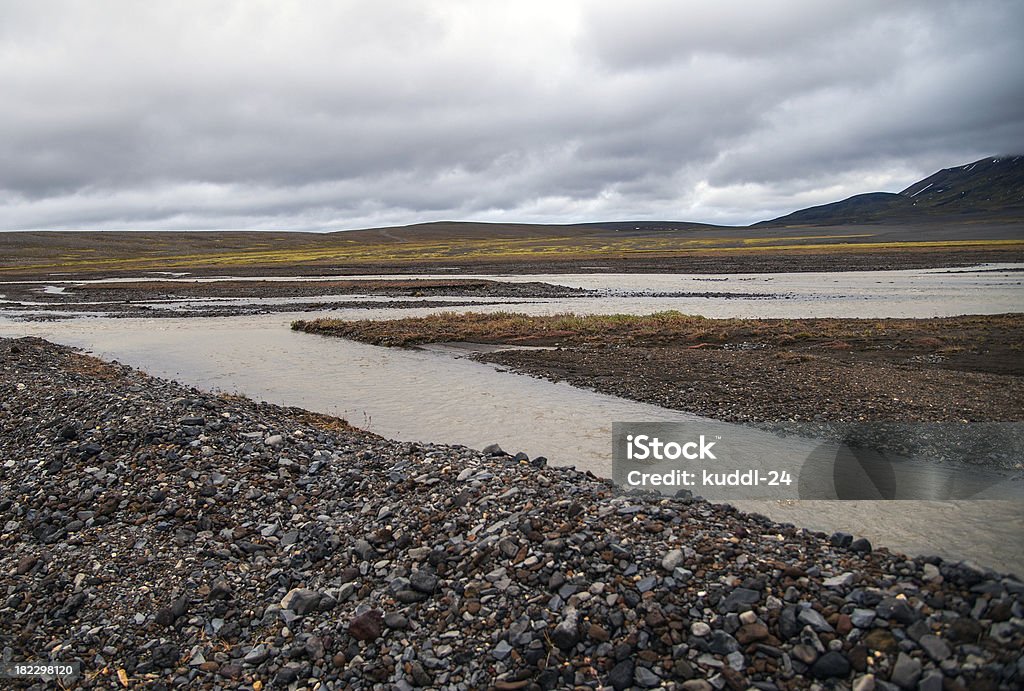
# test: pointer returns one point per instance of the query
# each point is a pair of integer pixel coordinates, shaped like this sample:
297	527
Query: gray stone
865	682
646	584
681	575
931	681
501	651
813	618
301	600
862	618
672	559
936	648
844	580
905	672
566	634
257	655
645	678
696	685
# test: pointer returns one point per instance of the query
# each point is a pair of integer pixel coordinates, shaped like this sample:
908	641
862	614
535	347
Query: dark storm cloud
335	115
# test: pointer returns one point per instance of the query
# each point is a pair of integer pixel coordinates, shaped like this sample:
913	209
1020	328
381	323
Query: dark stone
423	581
788	626
621	676
964	630
367	626
230	671
841	539
739	600
861	545
881	640
831	664
858	657
749	633
168	615
286	675
220	590
409	596
166	655
549	678
25	564
420	677
898	610
566	634
722	643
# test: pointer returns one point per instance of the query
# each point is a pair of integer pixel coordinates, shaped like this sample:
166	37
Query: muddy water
434	395
916	293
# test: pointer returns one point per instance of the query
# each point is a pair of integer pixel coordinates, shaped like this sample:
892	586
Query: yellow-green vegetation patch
335	249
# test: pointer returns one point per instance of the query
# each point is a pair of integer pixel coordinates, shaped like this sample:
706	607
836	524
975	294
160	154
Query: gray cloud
332	115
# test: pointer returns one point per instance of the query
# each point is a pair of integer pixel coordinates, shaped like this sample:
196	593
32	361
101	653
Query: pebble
332	558
906	671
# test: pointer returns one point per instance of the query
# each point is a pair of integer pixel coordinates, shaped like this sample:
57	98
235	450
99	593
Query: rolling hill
991	189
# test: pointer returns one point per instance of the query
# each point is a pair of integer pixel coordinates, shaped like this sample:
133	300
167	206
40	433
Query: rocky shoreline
31	301
150	298
170	538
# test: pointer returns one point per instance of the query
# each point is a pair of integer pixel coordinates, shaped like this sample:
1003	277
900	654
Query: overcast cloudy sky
334	115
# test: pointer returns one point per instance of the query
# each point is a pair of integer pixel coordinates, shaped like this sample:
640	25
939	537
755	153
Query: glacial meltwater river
435	395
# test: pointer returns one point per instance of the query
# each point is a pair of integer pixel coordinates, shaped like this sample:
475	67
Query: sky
339	115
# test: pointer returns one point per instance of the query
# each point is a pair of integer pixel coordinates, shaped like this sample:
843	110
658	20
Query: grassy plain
495	248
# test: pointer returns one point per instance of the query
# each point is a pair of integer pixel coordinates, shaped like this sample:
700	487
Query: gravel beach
169	538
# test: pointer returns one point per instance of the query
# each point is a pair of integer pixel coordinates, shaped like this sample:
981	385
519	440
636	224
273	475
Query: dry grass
673	328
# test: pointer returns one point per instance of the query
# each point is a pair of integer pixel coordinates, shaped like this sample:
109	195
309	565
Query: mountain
988	189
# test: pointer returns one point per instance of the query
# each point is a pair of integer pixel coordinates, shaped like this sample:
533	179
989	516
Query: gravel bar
165	537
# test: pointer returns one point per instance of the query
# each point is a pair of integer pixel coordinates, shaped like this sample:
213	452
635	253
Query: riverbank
177	537
223	298
956	369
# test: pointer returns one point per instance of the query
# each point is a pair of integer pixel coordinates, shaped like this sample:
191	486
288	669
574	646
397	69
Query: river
436	395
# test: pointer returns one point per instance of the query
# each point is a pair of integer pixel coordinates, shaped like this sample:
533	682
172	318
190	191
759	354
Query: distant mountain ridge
989	188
